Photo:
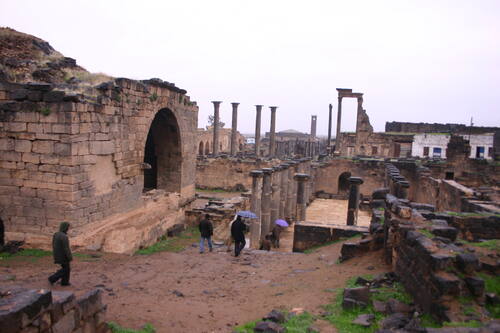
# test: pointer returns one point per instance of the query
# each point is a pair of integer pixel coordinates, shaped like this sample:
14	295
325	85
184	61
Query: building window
449	175
490	151
479	152
374	150
426	151
436	152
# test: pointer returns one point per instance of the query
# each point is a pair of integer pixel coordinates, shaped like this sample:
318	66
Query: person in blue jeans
206	231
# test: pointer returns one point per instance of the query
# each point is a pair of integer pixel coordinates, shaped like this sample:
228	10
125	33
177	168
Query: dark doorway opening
163	153
200	148
449	175
344	183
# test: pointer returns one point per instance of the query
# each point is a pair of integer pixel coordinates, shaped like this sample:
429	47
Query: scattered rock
268	327
379	306
362	281
177	293
275	316
395	306
364	320
395	321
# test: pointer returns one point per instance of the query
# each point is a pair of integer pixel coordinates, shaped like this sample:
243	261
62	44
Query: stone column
234	126
339	119
301	179
313	126
283	191
257	130
360	109
312	187
276	194
353	204
329	142
265	214
403	189
396	183
215	148
272	135
255	206
289	193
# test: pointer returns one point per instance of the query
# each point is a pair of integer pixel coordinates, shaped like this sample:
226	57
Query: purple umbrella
281	223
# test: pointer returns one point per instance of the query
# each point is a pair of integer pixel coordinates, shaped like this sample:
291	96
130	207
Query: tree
211	121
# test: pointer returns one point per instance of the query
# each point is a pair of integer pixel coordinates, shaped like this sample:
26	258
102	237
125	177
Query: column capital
273	108
235	104
301	177
216	102
277	168
355	180
404	183
259	107
284	166
267	171
256	173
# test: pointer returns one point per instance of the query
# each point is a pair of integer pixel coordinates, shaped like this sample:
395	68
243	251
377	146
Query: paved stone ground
330	211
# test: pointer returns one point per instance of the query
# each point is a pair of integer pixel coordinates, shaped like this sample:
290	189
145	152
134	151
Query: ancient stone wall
331	174
228	174
43	310
67	156
396	126
205	141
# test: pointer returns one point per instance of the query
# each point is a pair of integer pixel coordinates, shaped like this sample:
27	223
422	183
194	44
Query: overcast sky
418	61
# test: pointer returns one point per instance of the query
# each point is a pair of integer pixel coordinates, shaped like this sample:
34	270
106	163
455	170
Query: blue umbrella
281	223
247	214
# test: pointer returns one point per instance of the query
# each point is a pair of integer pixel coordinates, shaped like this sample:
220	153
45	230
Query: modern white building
430	145
433	145
481	145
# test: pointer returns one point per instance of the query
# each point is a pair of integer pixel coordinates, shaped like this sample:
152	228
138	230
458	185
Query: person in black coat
206	232
238	229
62	255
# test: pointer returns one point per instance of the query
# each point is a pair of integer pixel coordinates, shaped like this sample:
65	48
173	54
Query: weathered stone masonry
81	158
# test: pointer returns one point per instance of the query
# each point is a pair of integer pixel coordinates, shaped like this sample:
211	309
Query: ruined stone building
205	141
116	158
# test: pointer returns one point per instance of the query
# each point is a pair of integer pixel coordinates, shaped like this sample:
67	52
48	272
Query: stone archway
344	182
163	153
201	151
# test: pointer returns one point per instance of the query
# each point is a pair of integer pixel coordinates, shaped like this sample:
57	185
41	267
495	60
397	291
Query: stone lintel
355	180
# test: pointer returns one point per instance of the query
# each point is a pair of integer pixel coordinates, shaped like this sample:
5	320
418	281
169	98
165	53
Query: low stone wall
26	311
228	174
306	236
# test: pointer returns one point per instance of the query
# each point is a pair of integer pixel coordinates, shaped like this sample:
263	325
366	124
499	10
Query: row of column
281	192
234	126
311	147
397	183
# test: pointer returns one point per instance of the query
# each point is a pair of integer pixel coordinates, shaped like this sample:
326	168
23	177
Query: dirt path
215	291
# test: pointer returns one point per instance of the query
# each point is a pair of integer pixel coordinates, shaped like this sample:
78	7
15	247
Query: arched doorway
163	153
207	148
200	148
344	182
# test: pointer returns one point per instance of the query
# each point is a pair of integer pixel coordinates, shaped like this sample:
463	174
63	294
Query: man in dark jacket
206	231
238	229
62	255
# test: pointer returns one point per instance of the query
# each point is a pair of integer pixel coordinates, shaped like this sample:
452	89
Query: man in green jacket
62	255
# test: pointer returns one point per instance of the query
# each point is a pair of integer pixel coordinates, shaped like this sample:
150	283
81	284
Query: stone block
446	284
61	129
359	295
34	96
446	232
17	127
53	96
90	303
380	193
49	159
22	307
19	94
23	146
475	285
35	127
65	324
268	327
467	262
7	144
43	147
31	158
102	147
62	149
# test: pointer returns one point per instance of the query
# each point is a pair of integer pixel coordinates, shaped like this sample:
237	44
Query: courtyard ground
191	292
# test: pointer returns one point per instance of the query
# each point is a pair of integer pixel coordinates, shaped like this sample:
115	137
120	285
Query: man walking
206	231
238	229
62	255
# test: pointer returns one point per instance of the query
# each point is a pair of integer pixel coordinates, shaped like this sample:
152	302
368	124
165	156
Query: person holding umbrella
238	229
